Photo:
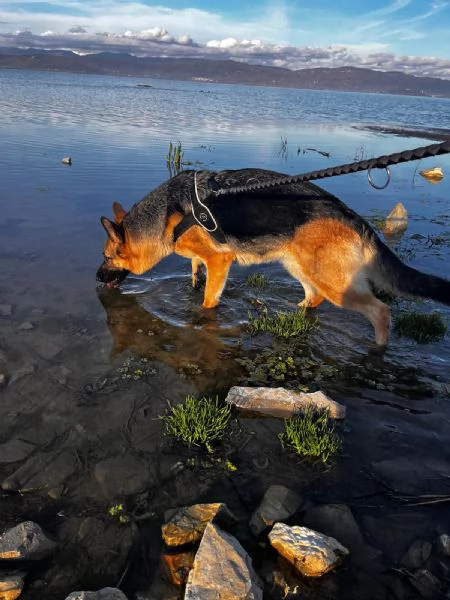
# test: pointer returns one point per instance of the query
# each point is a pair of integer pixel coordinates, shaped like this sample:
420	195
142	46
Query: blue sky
409	35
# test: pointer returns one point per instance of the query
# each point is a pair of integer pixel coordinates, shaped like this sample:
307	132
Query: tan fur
329	258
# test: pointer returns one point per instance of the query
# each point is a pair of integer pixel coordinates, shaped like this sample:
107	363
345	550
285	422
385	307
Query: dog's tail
390	274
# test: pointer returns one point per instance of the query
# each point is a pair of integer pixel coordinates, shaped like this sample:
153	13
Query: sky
412	36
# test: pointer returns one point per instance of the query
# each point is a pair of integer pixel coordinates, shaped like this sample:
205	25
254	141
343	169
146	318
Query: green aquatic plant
282	324
311	435
198	422
422	328
257	280
174	158
118	513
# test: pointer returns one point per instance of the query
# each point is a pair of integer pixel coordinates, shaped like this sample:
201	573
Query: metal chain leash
382	162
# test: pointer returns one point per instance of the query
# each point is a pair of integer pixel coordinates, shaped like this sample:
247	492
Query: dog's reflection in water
145	335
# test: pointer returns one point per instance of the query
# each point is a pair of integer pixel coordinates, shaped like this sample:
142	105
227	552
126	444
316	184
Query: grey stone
26	326
312	553
20	373
15	450
408	475
25	541
443	544
2	380
122	476
418	554
42	471
5	310
279	402
427	584
103	594
278	504
222	569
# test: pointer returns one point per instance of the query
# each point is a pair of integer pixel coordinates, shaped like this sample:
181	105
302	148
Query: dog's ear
119	212
112	230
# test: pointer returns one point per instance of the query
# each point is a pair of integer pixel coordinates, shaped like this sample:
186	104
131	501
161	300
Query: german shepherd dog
332	251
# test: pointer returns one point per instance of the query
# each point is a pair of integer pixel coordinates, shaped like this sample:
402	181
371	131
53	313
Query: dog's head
116	264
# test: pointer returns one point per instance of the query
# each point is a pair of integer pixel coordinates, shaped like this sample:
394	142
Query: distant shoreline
439	135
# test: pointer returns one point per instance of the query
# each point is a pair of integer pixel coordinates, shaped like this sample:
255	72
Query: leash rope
382	162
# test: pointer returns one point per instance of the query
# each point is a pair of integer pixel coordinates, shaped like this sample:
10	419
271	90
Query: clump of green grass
311	435
257	280
198	422
174	158
282	324
422	328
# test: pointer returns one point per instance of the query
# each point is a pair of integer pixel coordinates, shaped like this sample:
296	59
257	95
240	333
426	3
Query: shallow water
51	243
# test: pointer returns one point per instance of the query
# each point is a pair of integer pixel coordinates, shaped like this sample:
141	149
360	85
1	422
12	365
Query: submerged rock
120	476
26	541
222	569
418	554
10	586
5	310
427	584
396	221
337	521
443	544
312	554
15	450
104	594
279	402
278	504
187	524
42	471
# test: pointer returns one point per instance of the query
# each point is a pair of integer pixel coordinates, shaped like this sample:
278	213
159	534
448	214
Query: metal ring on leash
374	185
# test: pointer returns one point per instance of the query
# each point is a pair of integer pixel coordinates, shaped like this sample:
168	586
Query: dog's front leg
198	273
217	268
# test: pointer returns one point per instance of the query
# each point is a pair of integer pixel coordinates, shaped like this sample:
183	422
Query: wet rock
427	584
43	471
122	476
25	541
279	402
15	450
396	221
90	549
443	544
187	524
20	373
10	586
312	554
104	594
176	567
337	521
418	554
408	475
5	310
222	569
26	326
278	504
2	380
159	590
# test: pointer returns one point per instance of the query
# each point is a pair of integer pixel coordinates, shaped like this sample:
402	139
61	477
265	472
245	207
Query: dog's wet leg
378	313
217	268
198	273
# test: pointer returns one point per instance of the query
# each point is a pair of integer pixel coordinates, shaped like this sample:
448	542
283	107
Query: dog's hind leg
378	313
217	267
312	297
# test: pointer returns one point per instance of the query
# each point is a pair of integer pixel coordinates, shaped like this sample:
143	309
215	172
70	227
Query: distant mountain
349	79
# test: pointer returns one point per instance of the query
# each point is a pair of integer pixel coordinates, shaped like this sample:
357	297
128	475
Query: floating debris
67	160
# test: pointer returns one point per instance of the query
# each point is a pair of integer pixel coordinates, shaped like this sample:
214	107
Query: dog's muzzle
111	277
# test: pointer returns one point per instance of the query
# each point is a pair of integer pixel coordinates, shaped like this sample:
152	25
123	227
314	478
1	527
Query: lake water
117	134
